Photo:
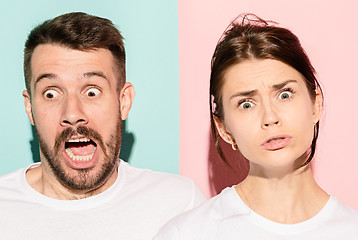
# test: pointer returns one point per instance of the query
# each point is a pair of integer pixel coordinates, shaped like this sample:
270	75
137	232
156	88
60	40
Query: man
76	97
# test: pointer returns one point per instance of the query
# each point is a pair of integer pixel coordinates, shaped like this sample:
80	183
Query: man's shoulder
148	176
18	174
11	178
166	185
12	185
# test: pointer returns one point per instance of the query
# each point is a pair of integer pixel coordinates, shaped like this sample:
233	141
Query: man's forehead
55	61
55	53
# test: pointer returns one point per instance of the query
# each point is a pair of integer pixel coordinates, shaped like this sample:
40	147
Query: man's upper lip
275	137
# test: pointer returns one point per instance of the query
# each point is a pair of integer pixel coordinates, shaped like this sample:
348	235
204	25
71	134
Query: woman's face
269	113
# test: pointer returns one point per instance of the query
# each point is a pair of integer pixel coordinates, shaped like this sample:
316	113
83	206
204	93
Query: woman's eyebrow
249	93
283	84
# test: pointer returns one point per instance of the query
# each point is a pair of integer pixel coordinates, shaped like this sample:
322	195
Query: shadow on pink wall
222	175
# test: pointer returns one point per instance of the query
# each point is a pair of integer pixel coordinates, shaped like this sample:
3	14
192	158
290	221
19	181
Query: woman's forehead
252	74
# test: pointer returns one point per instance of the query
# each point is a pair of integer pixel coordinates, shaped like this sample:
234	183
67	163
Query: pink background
328	32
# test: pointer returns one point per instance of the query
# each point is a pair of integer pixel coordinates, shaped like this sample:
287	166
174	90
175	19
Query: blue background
150	29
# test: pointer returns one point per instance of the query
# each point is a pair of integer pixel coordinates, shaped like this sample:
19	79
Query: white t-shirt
134	207
227	217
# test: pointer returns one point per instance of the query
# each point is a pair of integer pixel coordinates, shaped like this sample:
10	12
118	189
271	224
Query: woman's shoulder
340	220
205	218
221	206
344	212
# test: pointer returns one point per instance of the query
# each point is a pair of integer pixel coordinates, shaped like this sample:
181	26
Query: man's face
77	112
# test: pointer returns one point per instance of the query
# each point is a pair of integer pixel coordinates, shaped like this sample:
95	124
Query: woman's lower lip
276	144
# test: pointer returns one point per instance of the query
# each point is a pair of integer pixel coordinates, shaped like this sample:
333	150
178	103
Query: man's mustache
80	130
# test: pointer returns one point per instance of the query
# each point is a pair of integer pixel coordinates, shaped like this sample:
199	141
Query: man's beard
83	179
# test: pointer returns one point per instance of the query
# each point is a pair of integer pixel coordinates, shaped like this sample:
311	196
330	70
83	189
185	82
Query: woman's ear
223	132
126	97
317	106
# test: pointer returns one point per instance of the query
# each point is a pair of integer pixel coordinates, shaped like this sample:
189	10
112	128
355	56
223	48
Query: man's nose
73	112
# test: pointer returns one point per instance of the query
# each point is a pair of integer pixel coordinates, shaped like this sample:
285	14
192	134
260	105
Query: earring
234	146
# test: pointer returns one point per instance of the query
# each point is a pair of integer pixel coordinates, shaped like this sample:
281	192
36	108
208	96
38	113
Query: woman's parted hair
250	37
79	31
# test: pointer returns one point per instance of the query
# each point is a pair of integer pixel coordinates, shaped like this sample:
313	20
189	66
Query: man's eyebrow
85	75
95	74
45	75
283	84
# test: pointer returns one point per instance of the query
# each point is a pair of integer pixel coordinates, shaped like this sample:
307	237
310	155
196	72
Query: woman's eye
51	94
246	105
92	92
285	95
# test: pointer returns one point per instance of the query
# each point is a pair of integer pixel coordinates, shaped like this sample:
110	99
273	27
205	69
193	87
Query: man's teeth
84	139
79	158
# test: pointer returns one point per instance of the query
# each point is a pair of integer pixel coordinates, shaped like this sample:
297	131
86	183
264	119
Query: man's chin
80	179
79	159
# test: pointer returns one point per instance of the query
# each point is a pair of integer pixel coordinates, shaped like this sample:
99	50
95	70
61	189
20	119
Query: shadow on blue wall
128	139
34	143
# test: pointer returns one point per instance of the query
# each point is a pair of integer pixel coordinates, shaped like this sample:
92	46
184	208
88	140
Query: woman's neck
284	198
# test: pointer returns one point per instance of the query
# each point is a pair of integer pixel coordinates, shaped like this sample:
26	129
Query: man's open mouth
80	149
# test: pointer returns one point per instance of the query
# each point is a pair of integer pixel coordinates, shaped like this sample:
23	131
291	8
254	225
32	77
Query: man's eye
92	92
51	94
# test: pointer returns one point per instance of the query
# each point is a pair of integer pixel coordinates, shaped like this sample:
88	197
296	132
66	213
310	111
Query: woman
266	102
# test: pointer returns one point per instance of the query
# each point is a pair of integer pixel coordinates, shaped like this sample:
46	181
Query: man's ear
126	97
223	132
317	106
28	107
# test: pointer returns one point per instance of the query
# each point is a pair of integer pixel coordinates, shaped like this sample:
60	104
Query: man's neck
47	184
